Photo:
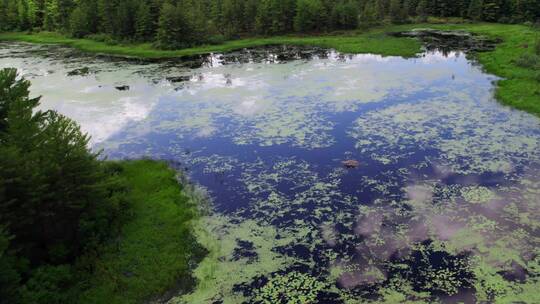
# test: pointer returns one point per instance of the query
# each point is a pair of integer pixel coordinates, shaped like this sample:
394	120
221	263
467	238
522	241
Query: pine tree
65	8
285	11
410	7
264	22
250	15
79	22
4	22
309	15
143	22
124	23
54	193
174	31
9	274
33	13
490	10
50	15
396	12
370	13
383	7
231	21
421	10
24	18
344	15
106	16
475	10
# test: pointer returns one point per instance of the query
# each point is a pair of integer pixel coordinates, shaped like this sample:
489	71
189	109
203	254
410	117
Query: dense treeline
58	201
181	23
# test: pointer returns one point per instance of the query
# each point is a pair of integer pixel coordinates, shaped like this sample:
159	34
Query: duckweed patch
292	288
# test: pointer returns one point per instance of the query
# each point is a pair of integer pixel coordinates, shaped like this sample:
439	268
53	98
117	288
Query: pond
440	201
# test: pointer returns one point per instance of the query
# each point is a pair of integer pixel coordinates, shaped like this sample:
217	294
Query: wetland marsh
442	207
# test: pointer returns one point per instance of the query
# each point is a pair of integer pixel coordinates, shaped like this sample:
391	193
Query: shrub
537	47
216	39
108	39
505	20
528	60
48	284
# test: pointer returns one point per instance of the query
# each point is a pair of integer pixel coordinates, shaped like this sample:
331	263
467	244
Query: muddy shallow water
443	206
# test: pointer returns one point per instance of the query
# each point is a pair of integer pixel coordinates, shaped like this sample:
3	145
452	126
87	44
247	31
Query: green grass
519	88
349	42
152	253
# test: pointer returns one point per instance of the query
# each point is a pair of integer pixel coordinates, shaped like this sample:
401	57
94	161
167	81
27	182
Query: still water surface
443	207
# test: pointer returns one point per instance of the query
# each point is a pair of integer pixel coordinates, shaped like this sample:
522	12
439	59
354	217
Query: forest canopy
172	24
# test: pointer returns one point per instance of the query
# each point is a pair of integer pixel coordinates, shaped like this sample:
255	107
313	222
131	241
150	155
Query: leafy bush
537	47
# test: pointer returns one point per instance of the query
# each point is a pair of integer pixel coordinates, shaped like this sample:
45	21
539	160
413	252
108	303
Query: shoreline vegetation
75	228
513	60
155	251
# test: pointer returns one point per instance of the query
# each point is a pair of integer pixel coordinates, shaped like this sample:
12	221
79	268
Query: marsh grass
155	249
347	42
528	60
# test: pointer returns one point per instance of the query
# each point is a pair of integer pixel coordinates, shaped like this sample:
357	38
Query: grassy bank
519	89
520	86
153	252
349	42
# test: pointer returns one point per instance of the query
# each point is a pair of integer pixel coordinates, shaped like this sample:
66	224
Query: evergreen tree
397	14
33	13
50	15
410	7
214	20
80	22
285	11
475	9
383	8
490	10
23	14
370	13
3	14
231	17
250	15
124	23
421	10
9	274
344	15
174	31
106	16
309	15
144	27
55	196
263	20
65	7
275	16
